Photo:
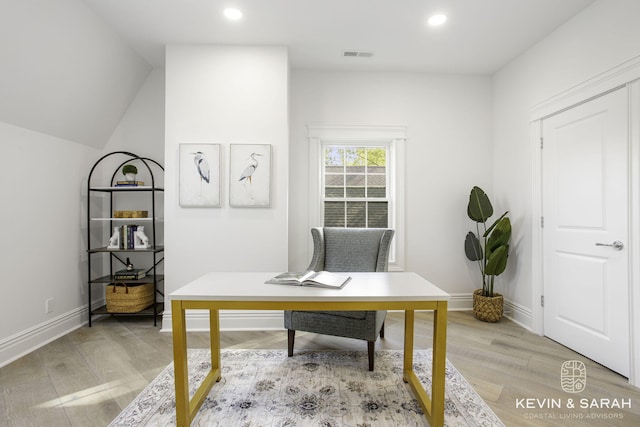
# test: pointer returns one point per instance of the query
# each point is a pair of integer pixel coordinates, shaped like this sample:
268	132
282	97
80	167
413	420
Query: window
355	186
354	180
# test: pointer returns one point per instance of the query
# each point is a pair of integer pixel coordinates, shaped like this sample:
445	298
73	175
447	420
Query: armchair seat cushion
345	314
364	325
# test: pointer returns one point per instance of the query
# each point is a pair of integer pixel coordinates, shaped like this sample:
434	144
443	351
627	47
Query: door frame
625	75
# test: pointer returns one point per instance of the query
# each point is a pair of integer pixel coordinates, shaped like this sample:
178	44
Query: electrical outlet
48	306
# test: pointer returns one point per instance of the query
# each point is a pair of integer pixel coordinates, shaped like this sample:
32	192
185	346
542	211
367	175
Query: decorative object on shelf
130	214
130	172
114	240
250	175
127	298
199	175
129	265
490	249
141	239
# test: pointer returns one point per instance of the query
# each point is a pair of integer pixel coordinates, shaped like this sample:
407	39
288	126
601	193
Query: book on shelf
129	183
318	279
128	236
135	274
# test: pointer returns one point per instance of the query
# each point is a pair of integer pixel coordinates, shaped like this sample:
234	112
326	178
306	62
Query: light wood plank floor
88	376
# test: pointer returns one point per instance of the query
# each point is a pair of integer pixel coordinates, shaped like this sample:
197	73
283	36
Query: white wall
43	190
141	130
448	150
223	94
601	37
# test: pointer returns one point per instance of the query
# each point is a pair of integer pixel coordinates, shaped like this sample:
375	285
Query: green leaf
500	235
479	208
486	233
497	261
472	247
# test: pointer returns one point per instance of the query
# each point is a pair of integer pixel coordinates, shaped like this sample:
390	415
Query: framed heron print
250	175
199	175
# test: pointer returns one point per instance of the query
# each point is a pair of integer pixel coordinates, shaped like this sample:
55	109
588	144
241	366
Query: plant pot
130	176
487	309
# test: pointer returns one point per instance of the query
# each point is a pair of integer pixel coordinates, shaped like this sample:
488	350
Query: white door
585	208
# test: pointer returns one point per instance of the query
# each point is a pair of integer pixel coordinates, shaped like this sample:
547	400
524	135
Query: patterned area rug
319	388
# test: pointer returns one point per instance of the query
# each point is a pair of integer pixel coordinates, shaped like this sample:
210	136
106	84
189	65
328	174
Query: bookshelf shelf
110	189
125	233
125	219
158	248
153	310
113	279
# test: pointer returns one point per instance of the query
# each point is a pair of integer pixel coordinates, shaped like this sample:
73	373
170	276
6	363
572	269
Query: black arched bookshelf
147	258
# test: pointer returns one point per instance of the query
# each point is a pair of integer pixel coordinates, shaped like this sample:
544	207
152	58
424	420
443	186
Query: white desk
366	291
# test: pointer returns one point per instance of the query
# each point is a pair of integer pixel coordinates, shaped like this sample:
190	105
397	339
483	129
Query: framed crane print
199	175
250	175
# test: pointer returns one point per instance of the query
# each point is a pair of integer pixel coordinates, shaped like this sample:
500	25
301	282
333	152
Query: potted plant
489	247
130	171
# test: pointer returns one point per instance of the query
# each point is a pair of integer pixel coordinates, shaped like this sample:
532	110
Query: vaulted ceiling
71	68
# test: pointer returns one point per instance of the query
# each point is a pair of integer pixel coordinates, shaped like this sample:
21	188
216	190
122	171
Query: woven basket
123	298
487	309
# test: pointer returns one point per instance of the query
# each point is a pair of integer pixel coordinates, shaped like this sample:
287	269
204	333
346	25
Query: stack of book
129	183
128	236
135	274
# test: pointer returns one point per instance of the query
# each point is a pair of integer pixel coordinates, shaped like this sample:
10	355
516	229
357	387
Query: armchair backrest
350	249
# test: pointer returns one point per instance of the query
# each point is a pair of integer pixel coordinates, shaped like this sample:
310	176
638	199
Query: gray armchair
344	250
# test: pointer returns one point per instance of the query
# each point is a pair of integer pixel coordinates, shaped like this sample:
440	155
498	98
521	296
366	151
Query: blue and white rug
313	388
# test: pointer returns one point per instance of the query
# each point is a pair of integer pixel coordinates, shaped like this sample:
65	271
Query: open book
321	279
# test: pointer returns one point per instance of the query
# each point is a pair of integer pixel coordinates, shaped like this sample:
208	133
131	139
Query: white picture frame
199	175
250	175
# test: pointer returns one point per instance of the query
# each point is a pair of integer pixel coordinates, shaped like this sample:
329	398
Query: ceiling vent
357	54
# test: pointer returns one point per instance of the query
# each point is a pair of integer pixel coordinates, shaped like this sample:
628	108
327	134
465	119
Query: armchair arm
317	261
383	253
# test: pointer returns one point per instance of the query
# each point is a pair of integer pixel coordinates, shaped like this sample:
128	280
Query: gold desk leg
180	366
439	363
409	376
214	337
408	343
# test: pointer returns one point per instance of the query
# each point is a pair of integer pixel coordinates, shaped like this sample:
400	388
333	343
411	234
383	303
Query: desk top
237	286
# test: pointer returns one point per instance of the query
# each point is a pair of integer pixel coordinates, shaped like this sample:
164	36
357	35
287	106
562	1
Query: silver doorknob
617	245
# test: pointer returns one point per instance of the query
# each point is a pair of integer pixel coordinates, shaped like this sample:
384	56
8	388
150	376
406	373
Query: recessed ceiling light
232	14
437	20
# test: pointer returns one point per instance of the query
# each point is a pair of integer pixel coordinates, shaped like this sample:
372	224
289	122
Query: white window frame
394	138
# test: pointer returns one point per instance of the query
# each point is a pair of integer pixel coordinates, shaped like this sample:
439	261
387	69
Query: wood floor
88	376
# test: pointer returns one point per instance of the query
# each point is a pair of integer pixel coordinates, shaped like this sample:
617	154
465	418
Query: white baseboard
518	314
460	302
24	342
